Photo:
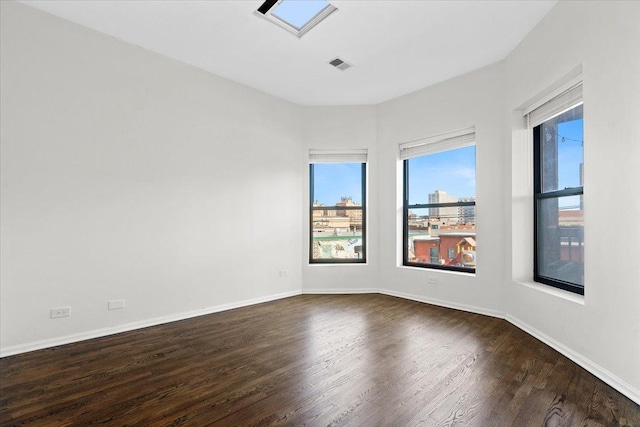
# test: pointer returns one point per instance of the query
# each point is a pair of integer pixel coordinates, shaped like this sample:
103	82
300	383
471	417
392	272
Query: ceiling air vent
339	64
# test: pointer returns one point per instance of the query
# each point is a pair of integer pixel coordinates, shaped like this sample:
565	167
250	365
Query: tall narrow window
558	191
337	211
439	216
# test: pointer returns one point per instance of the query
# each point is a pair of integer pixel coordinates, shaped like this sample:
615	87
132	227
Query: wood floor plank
314	360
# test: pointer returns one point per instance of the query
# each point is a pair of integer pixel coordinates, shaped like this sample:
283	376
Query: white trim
335	291
338	264
298	32
438	143
437	271
556	292
606	376
595	369
448	304
553	94
337	155
419	298
97	333
562	103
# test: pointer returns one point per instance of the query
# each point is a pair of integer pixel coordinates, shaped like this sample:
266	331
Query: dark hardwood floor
314	360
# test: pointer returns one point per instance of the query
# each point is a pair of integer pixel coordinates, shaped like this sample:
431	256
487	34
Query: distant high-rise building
448	215
467	214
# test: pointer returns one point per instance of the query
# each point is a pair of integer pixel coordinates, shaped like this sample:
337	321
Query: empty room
291	212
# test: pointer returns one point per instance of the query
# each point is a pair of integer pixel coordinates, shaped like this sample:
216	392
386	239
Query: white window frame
266	10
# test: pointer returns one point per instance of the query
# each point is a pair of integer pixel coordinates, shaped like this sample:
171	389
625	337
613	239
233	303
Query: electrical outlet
284	273
115	304
432	280
60	312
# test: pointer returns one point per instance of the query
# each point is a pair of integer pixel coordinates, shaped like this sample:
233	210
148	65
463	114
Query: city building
354	215
467	214
446	215
336	219
445	249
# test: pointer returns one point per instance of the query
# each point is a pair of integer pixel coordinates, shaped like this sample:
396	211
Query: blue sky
570	153
299	12
335	180
453	171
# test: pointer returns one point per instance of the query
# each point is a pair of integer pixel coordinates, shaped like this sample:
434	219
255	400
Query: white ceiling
396	47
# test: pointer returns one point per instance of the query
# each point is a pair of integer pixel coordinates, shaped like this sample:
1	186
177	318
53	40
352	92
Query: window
295	16
439	219
558	143
337	212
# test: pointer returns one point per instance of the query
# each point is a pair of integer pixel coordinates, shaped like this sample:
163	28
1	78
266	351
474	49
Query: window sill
337	264
566	295
438	270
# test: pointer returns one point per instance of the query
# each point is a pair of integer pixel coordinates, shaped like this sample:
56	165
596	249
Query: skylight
295	16
298	13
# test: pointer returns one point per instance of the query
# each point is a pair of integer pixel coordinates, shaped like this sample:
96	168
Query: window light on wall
295	16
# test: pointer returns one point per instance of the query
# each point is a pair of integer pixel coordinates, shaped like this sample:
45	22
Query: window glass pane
337	212
337	233
449	176
444	233
299	12
562	151
445	240
337	183
560	248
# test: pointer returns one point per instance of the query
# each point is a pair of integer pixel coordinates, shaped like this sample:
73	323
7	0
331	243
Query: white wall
129	175
473	99
603	328
342	127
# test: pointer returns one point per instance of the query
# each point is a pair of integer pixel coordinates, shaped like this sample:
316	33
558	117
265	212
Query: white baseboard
339	291
412	297
97	333
606	376
457	306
